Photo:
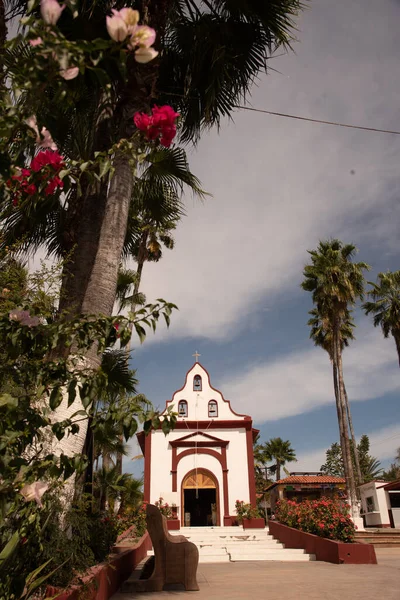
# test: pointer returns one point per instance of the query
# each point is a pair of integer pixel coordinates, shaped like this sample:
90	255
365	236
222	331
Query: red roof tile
307	479
312	479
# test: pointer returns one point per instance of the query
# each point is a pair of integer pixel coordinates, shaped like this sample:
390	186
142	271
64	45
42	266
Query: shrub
326	517
246	511
164	509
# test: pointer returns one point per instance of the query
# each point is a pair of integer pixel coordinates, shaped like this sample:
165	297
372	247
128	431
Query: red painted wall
104	580
324	549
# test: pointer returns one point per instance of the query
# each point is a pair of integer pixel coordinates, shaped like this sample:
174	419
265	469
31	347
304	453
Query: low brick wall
105	579
324	549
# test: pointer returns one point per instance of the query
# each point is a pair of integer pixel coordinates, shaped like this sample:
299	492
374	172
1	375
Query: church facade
206	463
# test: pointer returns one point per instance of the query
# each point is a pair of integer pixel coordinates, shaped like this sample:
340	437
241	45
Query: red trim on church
250	467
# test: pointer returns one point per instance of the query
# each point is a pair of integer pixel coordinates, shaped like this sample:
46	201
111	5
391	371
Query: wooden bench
174	562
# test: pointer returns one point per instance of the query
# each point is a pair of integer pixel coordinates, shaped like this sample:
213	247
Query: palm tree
336	283
321	334
211	53
385	305
280	452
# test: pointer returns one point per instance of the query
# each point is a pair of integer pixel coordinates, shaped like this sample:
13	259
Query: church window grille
212	409
197	386
183	408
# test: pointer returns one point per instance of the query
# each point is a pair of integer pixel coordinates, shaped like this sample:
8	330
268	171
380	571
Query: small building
374	504
392	492
305	487
381	503
206	463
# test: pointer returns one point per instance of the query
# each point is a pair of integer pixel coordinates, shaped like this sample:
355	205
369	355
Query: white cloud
302	381
279	185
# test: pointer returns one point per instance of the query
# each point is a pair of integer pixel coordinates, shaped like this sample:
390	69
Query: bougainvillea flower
24	318
36	42
50	11
145	55
47	157
116	27
142	36
161	124
34	491
129	16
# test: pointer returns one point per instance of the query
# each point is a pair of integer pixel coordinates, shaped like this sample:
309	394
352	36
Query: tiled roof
306	479
312	479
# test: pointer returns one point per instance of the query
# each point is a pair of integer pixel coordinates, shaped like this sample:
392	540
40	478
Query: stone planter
104	580
257	523
173	524
324	549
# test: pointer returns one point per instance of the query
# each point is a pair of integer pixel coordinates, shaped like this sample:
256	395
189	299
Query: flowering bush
246	511
164	509
326	517
136	517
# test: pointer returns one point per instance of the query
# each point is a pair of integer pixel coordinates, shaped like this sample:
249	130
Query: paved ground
292	581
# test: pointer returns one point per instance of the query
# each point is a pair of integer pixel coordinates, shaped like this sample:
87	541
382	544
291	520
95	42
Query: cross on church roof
196	355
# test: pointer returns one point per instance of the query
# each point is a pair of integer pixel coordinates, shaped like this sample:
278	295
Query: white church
206	463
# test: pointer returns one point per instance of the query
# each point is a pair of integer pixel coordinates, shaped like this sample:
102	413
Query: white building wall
380	515
161	463
238	472
198	401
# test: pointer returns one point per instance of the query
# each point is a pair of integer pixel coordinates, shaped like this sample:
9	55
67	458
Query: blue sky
278	186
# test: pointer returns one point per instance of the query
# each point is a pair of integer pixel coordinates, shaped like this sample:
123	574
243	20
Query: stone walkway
292	581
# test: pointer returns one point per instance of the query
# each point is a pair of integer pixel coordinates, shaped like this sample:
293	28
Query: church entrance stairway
232	544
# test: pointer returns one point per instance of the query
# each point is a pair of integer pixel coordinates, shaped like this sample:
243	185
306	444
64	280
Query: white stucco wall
380	516
198	401
161	462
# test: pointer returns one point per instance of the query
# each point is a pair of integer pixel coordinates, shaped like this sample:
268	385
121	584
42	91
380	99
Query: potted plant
249	516
170	513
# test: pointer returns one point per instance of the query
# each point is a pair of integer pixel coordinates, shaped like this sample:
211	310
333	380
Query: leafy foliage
326	517
369	465
385	305
246	511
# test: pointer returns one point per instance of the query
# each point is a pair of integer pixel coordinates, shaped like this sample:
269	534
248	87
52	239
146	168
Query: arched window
212	409
197	383
183	408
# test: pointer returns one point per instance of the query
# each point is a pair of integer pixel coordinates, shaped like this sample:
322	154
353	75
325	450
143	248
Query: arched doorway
200	499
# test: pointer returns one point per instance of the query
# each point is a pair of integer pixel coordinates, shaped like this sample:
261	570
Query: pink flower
51	11
44	140
116	27
145	55
24	317
34	491
142	36
321	525
36	42
69	73
142	121
129	16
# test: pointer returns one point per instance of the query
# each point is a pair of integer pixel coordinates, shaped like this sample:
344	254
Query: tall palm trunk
343	425
278	469
353	437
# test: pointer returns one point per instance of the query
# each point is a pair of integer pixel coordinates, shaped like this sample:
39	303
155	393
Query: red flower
161	124
321	525
31	189
53	185
47	157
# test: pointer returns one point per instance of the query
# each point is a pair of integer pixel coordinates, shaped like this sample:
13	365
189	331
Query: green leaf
72	391
9	549
8	400
55	398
